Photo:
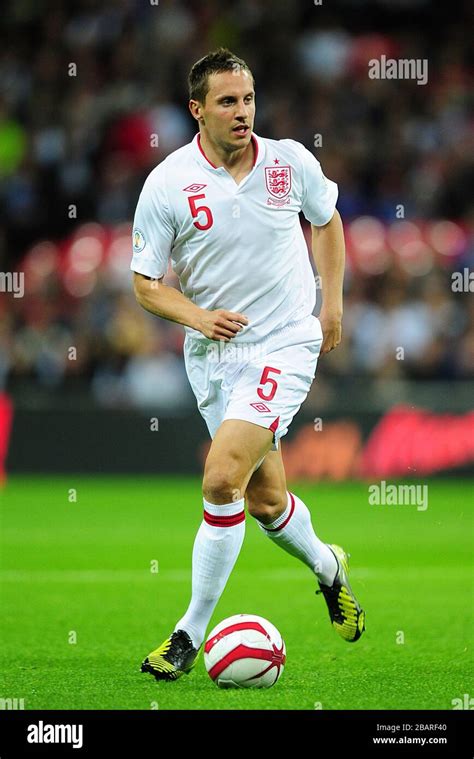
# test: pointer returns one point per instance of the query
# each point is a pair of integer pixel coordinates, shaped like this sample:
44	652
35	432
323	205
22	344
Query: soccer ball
245	651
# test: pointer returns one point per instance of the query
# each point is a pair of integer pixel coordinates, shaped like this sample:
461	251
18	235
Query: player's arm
328	249
169	303
153	238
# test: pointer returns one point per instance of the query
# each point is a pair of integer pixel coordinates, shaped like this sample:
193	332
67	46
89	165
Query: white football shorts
264	383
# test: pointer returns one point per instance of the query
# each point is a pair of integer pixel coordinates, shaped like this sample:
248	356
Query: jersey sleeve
319	196
153	231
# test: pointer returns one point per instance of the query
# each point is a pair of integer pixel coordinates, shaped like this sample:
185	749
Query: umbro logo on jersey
194	187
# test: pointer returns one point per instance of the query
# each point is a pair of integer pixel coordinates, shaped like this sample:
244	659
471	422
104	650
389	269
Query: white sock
216	547
294	532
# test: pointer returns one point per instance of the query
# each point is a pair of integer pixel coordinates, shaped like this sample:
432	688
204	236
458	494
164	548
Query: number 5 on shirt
265	380
195	211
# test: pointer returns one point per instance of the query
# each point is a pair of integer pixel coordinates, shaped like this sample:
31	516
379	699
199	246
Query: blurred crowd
93	95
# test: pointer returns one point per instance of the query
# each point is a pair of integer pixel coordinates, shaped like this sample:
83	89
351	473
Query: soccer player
224	209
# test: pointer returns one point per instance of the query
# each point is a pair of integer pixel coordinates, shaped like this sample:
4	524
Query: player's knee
220	489
222	484
266	506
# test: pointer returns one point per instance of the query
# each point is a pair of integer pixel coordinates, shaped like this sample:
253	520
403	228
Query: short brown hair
219	60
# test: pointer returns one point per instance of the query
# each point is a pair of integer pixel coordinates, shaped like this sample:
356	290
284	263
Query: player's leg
290	527
235	450
286	519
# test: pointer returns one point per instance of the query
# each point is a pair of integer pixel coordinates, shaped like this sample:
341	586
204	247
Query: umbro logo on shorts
260	407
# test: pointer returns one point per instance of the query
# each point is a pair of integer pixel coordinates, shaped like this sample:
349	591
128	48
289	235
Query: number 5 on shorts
265	380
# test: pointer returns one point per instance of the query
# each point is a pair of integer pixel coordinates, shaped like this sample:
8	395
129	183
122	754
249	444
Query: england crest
278	181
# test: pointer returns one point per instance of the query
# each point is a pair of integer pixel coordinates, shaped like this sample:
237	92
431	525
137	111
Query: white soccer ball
245	651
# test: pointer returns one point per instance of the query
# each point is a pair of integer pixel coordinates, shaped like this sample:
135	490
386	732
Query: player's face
228	111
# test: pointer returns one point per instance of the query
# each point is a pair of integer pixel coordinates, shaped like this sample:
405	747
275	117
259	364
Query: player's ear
195	108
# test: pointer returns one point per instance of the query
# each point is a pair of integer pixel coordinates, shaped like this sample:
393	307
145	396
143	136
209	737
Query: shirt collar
202	159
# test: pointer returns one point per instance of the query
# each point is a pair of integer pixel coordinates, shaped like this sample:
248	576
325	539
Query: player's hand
331	325
221	324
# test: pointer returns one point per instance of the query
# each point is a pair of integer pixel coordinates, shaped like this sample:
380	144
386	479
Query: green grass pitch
82	570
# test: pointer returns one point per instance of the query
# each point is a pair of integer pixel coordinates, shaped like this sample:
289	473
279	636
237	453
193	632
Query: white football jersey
235	246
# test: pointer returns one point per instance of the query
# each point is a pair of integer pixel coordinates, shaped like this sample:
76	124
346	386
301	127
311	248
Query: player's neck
231	160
